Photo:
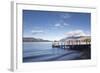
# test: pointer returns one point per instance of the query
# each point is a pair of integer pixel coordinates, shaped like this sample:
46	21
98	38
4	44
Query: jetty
80	43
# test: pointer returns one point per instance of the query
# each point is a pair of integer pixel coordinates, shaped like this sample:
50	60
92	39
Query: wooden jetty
72	44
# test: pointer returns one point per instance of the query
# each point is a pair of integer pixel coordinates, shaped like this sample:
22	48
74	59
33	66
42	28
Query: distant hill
75	37
32	39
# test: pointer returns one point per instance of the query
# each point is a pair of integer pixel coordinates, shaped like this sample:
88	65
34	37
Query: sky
54	25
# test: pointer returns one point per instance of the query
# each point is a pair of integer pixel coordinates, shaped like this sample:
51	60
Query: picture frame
18	30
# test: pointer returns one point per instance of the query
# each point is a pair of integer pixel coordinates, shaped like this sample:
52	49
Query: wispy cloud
61	24
76	33
65	15
57	25
37	31
65	24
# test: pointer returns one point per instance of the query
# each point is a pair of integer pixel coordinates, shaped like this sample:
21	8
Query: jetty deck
72	44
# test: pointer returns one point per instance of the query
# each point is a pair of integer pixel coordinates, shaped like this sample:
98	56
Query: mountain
75	37
32	39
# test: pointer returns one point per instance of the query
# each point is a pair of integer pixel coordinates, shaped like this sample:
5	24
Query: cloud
57	25
61	24
65	16
37	31
65	24
76	33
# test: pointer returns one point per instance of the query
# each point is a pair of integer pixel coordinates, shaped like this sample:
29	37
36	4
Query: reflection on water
43	51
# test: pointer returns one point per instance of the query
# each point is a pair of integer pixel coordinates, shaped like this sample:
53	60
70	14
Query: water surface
43	51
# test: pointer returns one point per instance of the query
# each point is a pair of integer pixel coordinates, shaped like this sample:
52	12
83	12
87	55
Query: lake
43	51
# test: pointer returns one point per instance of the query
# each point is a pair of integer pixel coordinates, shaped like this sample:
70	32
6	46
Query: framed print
52	36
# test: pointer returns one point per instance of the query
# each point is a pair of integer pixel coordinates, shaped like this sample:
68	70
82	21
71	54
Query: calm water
43	51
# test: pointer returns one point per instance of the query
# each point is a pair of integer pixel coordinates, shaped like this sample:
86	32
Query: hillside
32	39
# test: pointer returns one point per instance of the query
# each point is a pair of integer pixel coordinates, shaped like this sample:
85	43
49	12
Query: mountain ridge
32	39
74	37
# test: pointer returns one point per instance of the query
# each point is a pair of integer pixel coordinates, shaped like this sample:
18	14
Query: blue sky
52	25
